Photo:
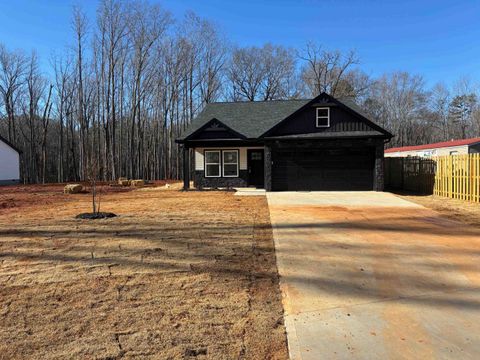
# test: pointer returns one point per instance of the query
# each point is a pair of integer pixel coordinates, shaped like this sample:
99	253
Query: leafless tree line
135	78
418	115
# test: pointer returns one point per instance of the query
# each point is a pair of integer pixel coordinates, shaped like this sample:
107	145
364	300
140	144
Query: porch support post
378	181
268	168
186	167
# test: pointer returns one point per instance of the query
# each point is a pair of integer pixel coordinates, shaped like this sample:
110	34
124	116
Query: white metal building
9	163
452	147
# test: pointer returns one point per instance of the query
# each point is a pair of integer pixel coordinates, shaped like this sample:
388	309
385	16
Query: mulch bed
95	216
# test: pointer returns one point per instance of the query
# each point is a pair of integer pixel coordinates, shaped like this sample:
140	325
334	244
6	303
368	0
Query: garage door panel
323	169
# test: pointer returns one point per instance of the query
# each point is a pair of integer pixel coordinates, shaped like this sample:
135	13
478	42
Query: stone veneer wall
200	181
378	171
268	168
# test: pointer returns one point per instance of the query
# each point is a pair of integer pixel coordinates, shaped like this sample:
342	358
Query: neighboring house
453	147
318	144
9	163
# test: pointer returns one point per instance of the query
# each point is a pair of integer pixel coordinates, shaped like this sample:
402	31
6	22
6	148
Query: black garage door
323	169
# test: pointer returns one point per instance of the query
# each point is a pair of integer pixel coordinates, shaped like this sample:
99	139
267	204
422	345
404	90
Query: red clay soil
459	210
17	197
176	275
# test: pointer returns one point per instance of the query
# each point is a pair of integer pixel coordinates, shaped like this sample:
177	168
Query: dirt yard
463	211
177	275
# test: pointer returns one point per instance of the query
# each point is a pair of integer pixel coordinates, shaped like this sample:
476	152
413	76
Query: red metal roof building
452	147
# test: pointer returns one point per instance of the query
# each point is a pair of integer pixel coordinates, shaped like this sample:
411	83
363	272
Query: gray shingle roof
253	118
250	118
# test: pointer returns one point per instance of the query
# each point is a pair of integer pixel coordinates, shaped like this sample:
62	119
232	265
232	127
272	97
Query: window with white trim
323	117
212	163
230	163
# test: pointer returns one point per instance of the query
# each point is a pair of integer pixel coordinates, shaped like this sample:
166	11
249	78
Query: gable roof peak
8	143
249	118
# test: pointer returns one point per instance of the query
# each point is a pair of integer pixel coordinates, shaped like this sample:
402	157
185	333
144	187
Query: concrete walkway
370	276
249	192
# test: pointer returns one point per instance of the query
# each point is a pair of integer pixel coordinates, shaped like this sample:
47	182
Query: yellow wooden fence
458	177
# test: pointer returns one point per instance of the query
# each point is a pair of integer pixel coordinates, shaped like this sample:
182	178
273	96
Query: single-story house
9	163
452	147
315	144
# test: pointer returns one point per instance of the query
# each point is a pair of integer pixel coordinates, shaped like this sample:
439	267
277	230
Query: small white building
445	148
9	163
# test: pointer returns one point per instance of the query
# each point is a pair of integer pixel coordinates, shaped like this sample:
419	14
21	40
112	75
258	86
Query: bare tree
63	93
400	99
246	73
35	87
111	40
327	71
13	66
279	71
265	73
79	23
439	103
206	59
146	25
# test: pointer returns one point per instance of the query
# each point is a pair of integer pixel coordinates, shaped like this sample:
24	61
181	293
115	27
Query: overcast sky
437	39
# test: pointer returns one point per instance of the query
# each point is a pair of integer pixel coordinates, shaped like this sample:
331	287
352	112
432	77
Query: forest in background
134	77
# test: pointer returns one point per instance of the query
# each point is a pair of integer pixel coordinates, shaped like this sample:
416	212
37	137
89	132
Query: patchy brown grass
176	275
463	211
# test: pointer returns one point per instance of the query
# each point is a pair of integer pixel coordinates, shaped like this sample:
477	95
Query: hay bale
137	183
123	181
72	189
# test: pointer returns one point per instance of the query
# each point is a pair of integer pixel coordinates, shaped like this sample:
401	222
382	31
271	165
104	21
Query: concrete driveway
368	275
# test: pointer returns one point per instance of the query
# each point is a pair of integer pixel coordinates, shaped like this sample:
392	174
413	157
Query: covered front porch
213	165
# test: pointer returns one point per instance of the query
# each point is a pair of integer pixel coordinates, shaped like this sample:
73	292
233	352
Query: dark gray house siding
474	149
340	121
